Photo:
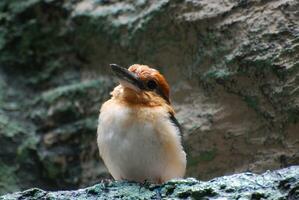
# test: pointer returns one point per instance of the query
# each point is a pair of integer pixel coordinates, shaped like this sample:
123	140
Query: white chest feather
140	143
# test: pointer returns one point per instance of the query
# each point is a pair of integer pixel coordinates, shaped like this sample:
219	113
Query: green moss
207	155
209	39
208	192
217	74
200	194
251	101
10	128
204	156
293	116
2	91
8	179
82	130
2	34
258	196
34	194
261	66
16	6
29	40
94	190
29	143
45	74
53	170
70	90
243	186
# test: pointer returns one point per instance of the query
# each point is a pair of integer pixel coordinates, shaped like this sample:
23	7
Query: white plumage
140	143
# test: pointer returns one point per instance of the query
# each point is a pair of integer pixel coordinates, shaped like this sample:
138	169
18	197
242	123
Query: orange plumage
145	74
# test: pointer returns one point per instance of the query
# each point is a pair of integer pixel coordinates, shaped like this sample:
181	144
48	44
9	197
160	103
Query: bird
138	136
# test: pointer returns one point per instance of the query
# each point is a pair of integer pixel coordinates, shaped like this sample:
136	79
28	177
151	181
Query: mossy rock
280	184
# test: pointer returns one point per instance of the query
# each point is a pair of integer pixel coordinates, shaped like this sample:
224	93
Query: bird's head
142	82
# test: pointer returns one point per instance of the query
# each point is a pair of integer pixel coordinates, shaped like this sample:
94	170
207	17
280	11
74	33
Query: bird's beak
127	78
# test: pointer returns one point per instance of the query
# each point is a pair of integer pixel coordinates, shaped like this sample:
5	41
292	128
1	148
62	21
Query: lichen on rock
280	184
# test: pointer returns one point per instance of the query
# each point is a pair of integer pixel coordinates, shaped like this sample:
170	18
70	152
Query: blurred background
233	66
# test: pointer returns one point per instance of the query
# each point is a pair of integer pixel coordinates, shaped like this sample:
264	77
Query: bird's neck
138	98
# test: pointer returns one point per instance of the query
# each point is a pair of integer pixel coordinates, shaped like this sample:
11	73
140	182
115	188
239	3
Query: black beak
125	75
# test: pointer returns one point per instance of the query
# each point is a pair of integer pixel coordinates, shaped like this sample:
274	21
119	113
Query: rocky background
233	66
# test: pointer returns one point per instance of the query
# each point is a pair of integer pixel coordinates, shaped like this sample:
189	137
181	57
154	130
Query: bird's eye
151	84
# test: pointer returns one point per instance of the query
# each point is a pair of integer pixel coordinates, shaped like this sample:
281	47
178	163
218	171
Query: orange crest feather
146	73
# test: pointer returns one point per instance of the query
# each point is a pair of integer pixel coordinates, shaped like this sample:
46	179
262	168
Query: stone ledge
279	184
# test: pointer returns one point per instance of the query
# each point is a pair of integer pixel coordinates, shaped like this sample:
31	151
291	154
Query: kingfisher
138	136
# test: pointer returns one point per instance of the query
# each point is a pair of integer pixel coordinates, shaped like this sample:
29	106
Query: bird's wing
176	123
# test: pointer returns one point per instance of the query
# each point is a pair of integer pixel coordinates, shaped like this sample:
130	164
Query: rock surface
280	185
232	64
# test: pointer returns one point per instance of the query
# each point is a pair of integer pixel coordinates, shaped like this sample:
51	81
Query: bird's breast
120	117
131	139
125	127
